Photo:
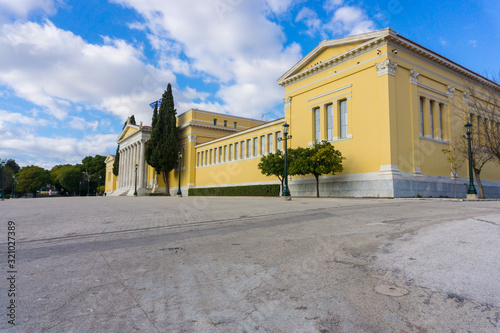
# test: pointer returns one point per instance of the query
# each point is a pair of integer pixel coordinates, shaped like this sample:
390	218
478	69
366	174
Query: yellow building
388	104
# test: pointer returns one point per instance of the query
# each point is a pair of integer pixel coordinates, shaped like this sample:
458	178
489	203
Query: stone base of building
388	185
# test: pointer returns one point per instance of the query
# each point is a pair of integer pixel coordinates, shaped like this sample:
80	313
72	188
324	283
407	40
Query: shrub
246	191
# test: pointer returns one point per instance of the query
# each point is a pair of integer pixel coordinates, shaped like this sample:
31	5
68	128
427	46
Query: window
225	123
225	153
440	110
278	140
255	146
198	161
202	156
270	143
215	155
421	116
242	144
343	119
220	154
329	122
317	125
432	118
210	159
235	123
236	151
249	148
263	145
206	157
230	152
215	122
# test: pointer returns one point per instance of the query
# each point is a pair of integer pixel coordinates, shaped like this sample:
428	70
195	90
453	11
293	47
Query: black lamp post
17	184
2	163
179	193
286	191
135	186
99	186
88	186
468	130
80	189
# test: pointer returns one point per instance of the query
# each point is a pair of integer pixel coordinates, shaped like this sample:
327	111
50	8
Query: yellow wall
111	179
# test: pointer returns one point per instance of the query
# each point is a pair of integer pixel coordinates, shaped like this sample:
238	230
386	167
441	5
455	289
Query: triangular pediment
128	130
329	49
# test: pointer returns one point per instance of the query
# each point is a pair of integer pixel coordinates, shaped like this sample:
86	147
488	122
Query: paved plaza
158	264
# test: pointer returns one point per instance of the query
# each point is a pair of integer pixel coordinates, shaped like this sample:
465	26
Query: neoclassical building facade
387	103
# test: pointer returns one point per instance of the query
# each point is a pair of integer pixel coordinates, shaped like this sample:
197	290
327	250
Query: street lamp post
16	189
2	163
471	191
135	190
179	193
286	192
80	189
88	186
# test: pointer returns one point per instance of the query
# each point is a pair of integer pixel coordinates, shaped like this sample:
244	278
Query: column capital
288	102
414	76
386	67
451	91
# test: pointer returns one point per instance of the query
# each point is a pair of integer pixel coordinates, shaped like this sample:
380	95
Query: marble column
120	169
141	164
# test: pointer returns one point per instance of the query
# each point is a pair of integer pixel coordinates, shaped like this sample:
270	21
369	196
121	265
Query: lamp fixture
378	52
395	51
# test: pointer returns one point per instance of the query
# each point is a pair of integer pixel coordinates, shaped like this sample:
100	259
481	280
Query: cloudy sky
71	72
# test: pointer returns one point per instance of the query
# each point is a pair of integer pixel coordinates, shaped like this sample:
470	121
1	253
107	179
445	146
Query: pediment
329	49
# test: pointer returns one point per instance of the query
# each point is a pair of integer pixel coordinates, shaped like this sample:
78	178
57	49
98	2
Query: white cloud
14	118
19	9
230	43
82	124
473	43
59	71
310	18
347	20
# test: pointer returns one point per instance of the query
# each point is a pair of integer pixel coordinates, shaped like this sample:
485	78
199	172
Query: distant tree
273	164
8	172
69	178
32	178
54	175
319	160
152	142
13	165
164	138
116	162
130	119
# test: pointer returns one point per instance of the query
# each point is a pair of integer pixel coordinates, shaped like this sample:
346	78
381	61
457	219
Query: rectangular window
249	148
236	151
235	123
202	156
278	140
242	144
317	125
225	153
263	145
343	119
198	161
329	122
270	143
206	158
215	155
421	116
220	154
440	110
230	152
225	123
255	146
215	122
210	157
431	110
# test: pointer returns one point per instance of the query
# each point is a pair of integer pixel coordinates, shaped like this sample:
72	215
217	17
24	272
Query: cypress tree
116	163
151	144
163	145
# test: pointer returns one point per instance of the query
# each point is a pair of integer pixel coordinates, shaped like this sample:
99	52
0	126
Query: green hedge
246	191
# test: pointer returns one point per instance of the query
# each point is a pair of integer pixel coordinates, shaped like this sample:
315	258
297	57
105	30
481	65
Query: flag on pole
152	105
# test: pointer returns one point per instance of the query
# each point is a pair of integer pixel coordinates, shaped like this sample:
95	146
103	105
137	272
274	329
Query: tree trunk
479	185
282	185
165	180
317	185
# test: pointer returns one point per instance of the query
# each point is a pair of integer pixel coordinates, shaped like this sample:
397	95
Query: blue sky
71	72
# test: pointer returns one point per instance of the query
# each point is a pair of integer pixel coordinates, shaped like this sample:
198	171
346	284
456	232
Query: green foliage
13	165
69	177
163	144
273	164
8	172
251	190
116	162
321	159
32	178
153	141
130	119
94	166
